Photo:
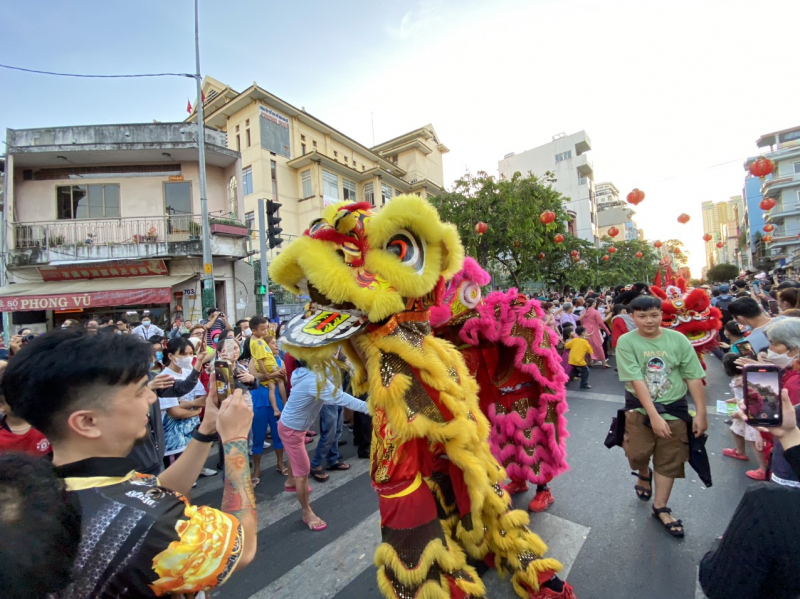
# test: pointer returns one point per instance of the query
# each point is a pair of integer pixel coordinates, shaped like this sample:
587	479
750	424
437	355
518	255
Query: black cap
212	310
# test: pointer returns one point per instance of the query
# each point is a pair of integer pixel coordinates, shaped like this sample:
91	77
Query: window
247	137
581	179
305	177
386	194
302	138
232	208
330	185
237	128
314	143
303	149
273	169
363	168
397	192
354	164
796	166
247	180
563	156
238	144
336	155
349	189
247	122
178	199
87	201
250	221
345	159
369	193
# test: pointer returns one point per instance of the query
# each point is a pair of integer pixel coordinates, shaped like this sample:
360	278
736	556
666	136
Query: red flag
189	106
657	282
204	97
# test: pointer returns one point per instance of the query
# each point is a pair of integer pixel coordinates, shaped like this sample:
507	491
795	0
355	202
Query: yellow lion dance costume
372	279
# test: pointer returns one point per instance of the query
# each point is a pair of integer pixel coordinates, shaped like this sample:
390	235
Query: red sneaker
732	453
541	501
515	486
545	593
757	474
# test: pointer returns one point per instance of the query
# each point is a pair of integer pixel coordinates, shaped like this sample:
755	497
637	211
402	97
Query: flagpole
208	269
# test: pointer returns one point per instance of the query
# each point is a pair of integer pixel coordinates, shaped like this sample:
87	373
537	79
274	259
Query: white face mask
183	362
146	323
780	360
247	332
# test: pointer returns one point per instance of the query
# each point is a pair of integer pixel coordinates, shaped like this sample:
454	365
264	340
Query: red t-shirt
32	442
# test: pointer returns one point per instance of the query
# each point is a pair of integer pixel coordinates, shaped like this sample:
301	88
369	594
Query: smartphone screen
222	368
745	349
762	395
228	349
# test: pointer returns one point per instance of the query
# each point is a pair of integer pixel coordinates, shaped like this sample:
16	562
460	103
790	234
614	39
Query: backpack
722	305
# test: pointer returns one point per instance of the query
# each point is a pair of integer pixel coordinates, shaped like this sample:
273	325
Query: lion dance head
692	315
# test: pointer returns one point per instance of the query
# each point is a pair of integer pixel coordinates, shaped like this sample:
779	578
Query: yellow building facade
304	164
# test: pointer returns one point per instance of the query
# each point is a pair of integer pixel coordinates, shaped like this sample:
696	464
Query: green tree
622	267
722	273
678	260
515	238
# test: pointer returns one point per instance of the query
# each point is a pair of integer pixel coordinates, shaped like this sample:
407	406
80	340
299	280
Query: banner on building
96	299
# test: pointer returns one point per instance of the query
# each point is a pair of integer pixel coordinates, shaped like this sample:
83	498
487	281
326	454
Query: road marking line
271	510
332	568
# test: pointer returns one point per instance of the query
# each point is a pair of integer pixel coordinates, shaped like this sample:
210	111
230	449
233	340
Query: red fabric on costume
409	511
460	490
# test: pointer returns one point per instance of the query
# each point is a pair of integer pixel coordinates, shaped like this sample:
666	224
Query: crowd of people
128	415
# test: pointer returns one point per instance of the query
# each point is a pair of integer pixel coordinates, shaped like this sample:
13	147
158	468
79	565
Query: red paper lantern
676	251
768	228
720	244
635	197
574	253
605	258
559	238
767	204
547	217
516	243
761	167
613	232
541	256
639	254
707	237
657	244
576	259
684	218
767	238
612	250
481	228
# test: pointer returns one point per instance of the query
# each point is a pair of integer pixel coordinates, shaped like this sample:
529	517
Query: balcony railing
118	231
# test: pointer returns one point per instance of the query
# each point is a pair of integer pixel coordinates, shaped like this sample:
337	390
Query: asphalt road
605	537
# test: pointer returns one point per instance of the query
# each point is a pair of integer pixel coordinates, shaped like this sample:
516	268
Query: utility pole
208	269
262	243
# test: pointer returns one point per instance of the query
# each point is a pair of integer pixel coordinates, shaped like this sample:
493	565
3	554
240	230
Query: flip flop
256	482
339	466
308	440
294	489
311	434
319	475
285	471
320	525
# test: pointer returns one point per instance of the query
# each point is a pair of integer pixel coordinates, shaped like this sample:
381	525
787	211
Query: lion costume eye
408	249
470	295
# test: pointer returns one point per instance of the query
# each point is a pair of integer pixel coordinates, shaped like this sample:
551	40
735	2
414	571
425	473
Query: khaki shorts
641	444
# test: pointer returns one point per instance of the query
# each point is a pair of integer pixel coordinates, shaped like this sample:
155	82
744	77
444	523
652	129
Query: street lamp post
208	269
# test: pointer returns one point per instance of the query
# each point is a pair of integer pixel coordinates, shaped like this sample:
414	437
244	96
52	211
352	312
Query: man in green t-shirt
658	366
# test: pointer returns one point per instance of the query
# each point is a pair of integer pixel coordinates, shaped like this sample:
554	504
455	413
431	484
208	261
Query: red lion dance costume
691	314
511	353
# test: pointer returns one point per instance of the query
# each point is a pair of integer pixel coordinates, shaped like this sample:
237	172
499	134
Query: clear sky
672	94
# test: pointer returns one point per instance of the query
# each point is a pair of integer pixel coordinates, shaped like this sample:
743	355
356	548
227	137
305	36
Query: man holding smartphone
658	367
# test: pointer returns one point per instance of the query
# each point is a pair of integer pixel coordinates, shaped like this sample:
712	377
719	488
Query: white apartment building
606	195
565	156
783	186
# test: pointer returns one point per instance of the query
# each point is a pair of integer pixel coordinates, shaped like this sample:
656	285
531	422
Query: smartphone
755	286
228	349
762	394
745	349
222	368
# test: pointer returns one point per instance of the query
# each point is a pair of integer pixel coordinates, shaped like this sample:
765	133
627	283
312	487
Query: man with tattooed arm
140	535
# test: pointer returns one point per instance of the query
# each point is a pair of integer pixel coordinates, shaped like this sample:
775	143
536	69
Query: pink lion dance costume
512	355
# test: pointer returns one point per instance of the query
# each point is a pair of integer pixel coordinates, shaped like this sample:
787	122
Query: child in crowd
16	434
268	398
579	350
743	434
734	334
566	335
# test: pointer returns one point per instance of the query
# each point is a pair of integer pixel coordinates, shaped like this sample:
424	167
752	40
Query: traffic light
261	289
273	220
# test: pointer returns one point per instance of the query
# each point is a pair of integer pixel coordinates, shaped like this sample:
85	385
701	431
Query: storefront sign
176	177
73	301
104	270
